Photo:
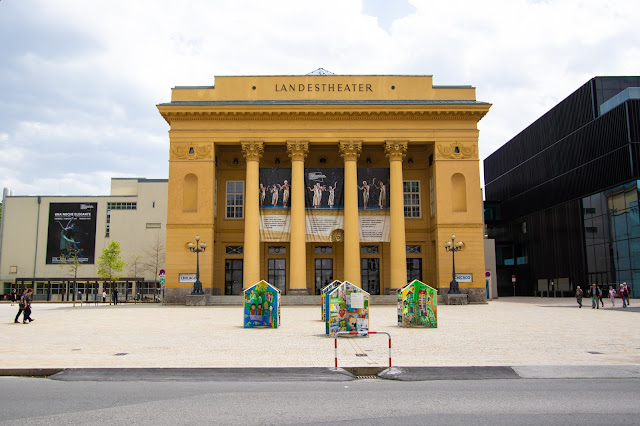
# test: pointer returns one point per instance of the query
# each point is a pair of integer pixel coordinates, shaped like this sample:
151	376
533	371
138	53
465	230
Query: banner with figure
274	188
373	188
324	188
72	232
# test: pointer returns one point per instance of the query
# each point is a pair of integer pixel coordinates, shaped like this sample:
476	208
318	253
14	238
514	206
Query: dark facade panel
589	144
570	114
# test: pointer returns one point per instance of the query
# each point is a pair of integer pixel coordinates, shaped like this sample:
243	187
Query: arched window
190	193
458	193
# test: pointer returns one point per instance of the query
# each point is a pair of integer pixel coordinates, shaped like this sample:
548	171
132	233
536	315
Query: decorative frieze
457	151
191	152
395	150
350	150
297	150
252	151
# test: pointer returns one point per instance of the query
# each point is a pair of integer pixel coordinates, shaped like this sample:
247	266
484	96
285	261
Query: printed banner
374	226
373	188
72	232
324	188
275	227
324	226
274	188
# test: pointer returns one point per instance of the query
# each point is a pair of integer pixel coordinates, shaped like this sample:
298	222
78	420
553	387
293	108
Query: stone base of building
456	299
298	292
197	300
469	295
178	296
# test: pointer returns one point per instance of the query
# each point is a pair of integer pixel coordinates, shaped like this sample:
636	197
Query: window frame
408	195
235	207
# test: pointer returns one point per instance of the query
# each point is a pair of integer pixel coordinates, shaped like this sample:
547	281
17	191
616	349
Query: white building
37	233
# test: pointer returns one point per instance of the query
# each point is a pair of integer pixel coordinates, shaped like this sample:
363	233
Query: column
252	151
350	150
396	152
298	254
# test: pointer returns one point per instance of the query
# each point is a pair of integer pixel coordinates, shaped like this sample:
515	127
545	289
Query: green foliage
110	264
71	261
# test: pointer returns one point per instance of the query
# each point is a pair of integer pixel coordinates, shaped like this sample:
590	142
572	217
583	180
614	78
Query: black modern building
562	196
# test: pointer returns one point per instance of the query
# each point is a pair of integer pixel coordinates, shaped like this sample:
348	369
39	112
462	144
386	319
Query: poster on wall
324	188
373	188
274	188
72	231
375	226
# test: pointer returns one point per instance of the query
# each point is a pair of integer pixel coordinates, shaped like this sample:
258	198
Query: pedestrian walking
593	292
624	294
13	296
104	296
115	296
24	307
21	305
27	311
600	295
612	296
579	296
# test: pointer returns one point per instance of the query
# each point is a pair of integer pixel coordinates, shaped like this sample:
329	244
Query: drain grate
594	352
120	354
361	355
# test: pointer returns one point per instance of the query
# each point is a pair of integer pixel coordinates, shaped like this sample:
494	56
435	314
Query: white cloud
80	80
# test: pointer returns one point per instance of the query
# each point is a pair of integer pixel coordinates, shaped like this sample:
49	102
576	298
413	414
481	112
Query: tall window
411	189
432	199
235	200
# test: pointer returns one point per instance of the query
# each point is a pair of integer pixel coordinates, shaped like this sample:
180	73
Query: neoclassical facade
300	180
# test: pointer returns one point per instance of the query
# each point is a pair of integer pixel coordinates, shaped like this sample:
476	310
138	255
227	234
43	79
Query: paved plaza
504	332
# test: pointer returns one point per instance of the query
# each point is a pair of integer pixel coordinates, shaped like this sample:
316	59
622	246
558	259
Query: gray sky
79	79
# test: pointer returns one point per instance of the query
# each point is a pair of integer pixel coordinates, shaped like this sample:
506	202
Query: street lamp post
197	248
453	247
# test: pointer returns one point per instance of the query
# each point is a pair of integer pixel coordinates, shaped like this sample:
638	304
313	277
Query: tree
71	262
155	256
135	264
110	264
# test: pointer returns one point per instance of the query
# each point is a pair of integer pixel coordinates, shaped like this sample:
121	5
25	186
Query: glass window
324	250
277	250
234	250
414	249
235	200
411	197
414	269
369	250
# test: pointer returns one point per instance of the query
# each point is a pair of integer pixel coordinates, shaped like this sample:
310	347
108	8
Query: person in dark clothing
21	305
27	310
24	307
115	296
13	297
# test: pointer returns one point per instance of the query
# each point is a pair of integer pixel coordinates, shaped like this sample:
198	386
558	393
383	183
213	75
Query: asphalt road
36	401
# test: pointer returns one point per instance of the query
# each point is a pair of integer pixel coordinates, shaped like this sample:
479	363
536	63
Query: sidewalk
505	332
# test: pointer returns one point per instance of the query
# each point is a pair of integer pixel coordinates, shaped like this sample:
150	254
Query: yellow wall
203	119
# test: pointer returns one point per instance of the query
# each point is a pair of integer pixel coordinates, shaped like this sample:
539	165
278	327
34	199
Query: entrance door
371	275
233	276
324	273
278	274
414	269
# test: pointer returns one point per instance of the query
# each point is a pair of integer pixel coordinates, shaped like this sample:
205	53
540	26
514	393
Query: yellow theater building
300	180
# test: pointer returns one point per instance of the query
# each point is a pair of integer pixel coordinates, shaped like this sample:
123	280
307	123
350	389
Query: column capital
297	150
396	150
252	150
350	150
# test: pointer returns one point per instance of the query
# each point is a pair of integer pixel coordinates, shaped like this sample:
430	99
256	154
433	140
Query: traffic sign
161	272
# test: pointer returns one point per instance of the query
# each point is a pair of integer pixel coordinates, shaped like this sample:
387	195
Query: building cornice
443	112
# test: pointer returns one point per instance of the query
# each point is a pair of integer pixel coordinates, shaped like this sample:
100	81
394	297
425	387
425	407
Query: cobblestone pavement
508	331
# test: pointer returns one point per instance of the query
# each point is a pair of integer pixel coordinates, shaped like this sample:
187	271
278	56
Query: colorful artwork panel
262	306
417	306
